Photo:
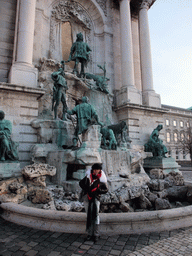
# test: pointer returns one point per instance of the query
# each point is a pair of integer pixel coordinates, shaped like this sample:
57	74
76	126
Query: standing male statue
85	115
80	53
59	91
8	148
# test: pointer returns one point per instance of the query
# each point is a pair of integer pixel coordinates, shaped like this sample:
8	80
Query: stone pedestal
117	164
9	170
92	137
166	164
54	131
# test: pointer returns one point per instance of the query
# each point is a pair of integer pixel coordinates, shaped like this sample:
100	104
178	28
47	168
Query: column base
23	74
151	99
129	94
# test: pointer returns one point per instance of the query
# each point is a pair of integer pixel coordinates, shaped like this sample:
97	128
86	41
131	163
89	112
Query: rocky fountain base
162	204
111	223
47	199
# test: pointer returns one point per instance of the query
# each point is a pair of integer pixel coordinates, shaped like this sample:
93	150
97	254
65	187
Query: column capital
146	4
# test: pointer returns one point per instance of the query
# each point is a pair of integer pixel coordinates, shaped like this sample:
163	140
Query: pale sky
170	24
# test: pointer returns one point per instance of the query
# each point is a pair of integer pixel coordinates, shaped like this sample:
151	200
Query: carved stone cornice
146	4
103	5
66	11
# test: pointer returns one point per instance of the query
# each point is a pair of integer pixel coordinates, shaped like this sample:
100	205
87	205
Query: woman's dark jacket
97	188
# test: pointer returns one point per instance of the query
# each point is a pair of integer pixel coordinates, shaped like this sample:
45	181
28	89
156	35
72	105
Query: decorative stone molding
146	4
68	11
103	5
48	65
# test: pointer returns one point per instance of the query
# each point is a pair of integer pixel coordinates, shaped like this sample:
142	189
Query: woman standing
93	185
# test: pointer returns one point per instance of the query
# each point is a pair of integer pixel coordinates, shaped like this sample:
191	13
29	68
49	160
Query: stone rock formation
161	204
174	179
38	195
13	190
125	207
37	170
156	174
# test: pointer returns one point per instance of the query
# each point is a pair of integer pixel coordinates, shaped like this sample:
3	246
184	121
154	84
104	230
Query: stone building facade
177	122
37	35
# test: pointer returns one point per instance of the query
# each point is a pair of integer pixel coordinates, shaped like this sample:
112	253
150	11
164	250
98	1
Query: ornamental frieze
71	11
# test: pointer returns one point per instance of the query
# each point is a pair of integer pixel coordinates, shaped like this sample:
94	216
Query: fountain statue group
86	115
85	112
80	54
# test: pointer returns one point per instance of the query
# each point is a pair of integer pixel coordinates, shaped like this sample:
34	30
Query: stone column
127	69
22	71
150	98
128	92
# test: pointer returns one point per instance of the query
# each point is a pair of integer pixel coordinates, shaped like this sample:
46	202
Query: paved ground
16	240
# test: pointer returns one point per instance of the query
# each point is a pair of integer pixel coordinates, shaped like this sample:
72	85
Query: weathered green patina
8	148
108	136
119	130
80	54
59	91
155	144
86	116
100	80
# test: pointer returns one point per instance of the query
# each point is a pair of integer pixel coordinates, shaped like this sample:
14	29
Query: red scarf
92	180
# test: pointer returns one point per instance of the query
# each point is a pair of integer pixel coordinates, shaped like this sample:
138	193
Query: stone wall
141	121
176	121
7	30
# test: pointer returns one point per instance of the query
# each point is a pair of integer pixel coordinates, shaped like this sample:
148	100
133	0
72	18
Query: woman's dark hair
96	167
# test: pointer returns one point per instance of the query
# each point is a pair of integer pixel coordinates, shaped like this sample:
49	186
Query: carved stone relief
66	11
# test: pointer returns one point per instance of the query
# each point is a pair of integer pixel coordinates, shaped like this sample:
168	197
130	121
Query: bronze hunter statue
80	54
86	116
59	91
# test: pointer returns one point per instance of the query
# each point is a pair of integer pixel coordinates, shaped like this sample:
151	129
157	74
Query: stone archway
80	17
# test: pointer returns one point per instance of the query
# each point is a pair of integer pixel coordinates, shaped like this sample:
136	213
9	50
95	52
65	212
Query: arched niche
67	18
